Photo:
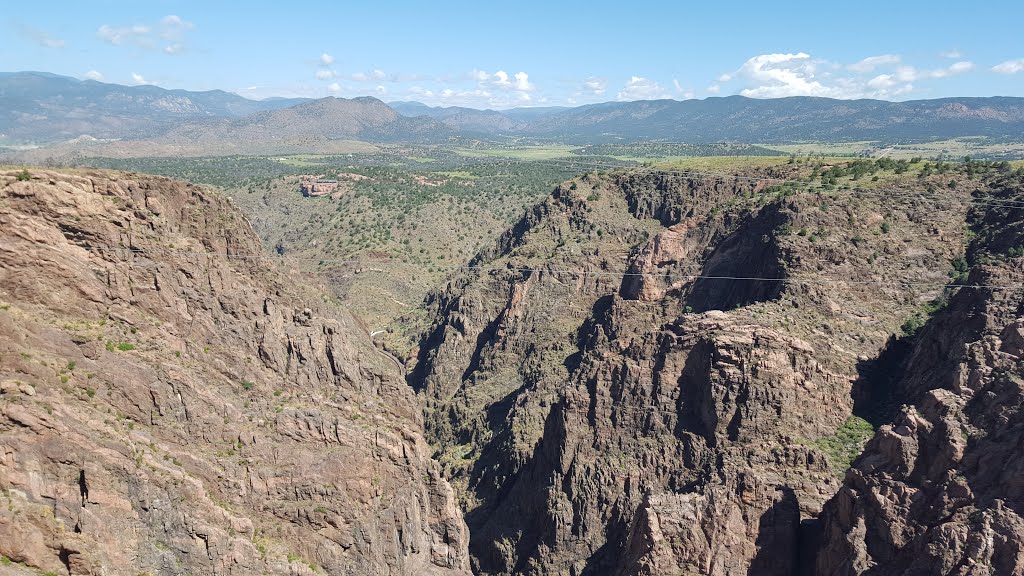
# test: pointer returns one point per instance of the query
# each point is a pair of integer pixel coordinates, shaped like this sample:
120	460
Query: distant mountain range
42	108
471	120
740	119
735	118
314	124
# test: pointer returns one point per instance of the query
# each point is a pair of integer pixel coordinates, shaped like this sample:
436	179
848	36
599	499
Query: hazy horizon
530	54
390	101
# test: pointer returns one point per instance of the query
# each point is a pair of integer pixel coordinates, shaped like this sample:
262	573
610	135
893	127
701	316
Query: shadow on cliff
747	266
778	538
875	391
605	559
511	521
696	406
513	495
599	319
911	365
430	342
485	337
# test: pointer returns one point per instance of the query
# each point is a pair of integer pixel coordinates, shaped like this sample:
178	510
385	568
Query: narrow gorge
651	372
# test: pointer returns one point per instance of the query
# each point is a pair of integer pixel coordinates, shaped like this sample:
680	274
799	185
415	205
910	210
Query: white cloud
421	91
170	32
473	97
326	59
172	24
480	97
887	85
139	80
381	90
375	75
713	89
523	82
781	75
326	74
639	88
910	74
952	54
595	86
93	75
882	81
173	28
685	93
292	90
137	34
501	80
1009	67
405	77
871	62
725	78
334	87
907	73
961	67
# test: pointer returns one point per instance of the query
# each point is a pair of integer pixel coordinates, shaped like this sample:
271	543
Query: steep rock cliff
644	375
938	489
169	404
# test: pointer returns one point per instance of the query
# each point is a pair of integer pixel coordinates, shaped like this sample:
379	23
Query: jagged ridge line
693	175
800	279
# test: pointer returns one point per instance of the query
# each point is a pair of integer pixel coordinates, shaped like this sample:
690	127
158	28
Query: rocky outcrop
645	375
317	187
937	490
168	403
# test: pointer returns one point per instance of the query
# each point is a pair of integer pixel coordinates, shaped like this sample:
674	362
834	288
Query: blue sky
528	53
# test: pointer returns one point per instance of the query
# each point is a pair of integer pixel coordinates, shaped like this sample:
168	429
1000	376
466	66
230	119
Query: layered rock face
938	490
170	405
644	376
